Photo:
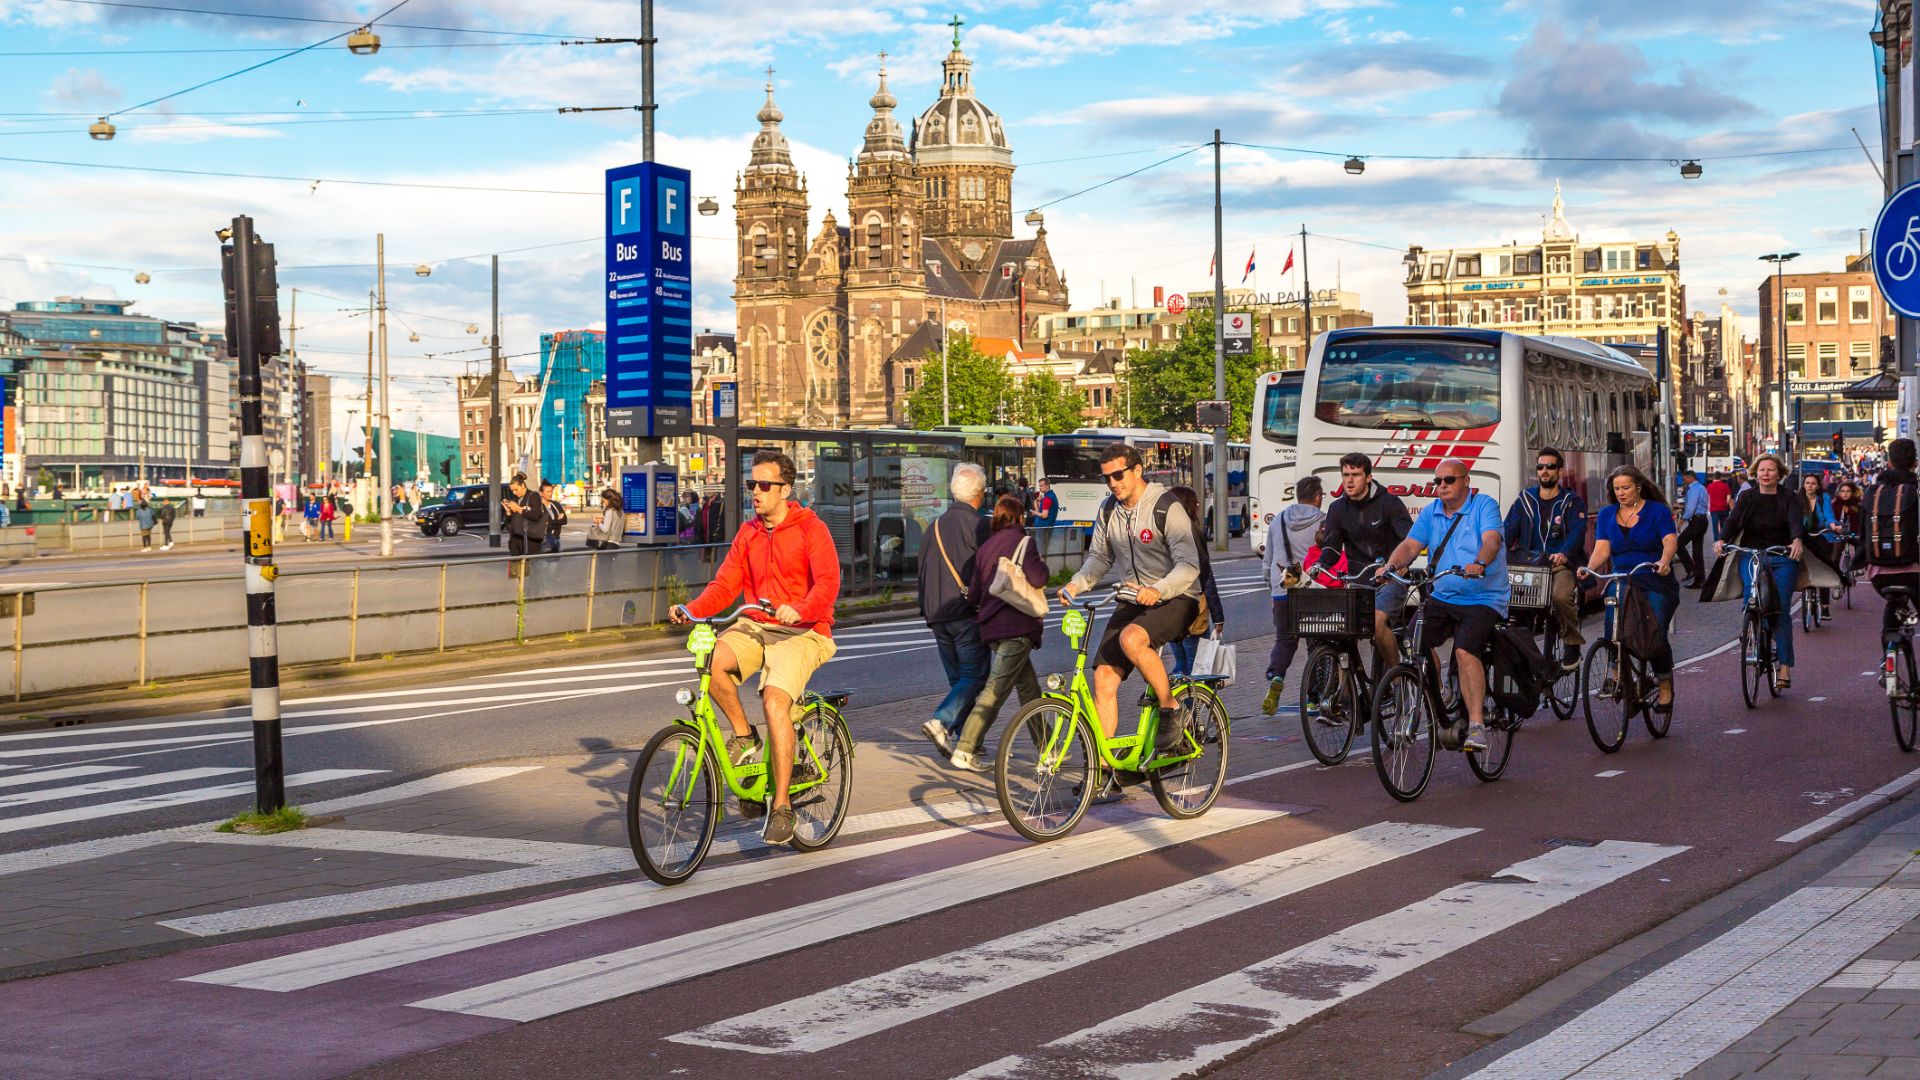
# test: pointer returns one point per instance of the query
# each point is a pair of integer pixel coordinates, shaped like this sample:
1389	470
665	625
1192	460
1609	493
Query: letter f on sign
626	204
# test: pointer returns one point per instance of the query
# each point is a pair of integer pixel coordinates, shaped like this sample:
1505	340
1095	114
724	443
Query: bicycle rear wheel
673	805
1329	705
1751	670
1810	609
1607	683
1187	789
1906	709
822	742
1045	772
1502	726
1403	733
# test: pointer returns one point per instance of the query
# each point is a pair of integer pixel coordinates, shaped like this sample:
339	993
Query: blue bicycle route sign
1896	251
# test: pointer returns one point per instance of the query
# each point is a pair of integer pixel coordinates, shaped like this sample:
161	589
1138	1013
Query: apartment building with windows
1837	326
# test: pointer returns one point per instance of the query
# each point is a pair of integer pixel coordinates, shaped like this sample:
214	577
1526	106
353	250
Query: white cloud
84	88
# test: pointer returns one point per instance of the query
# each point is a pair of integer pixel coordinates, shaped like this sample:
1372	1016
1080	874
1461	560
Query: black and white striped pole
253	332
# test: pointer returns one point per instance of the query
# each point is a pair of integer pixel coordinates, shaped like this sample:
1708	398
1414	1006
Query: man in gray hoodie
1144	532
1289	538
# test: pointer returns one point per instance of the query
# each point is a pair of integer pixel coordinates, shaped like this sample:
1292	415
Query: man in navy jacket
1547	526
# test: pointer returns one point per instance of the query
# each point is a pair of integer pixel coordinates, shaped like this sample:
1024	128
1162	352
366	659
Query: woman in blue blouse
1637	529
1817	524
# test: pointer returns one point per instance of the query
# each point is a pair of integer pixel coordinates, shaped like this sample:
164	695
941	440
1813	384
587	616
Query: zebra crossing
617	946
93	792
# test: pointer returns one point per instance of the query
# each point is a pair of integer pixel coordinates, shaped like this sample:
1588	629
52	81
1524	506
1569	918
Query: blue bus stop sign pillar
649	302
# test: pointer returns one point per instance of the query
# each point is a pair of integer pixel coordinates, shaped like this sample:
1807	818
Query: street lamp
1036	219
100	130
709	206
1355	166
1780	259
1690	170
363	42
422	270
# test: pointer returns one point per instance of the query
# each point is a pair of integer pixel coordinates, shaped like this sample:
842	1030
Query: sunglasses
1448	480
1544	467
1115	477
765	485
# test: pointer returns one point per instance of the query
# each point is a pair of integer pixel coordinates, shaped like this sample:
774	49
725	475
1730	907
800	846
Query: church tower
886	287
770	216
961	153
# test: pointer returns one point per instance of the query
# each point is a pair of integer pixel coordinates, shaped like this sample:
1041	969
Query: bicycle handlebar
763	607
1777	549
1598	576
1411	579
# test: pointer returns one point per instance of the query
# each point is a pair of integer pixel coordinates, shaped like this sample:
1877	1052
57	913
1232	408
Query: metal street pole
1779	260
386	404
1219	360
293	336
1306	300
946	407
645	449
366	429
495	452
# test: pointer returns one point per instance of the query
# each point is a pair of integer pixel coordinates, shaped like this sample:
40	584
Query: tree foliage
983	392
1167	381
1046	404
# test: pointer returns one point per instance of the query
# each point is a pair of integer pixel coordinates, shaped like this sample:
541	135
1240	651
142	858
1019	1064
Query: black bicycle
1756	628
1621	683
1845	563
1897	672
1409	707
1532	606
1336	688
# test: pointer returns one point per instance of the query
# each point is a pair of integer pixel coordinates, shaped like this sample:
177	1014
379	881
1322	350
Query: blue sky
1087	93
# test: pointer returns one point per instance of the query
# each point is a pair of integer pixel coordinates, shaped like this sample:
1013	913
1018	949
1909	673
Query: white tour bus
1708	447
1409	397
1071	462
1276	445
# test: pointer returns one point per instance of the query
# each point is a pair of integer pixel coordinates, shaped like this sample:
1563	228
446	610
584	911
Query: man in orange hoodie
785	556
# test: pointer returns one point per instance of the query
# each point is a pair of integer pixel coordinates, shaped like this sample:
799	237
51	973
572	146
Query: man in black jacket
946	566
1895	490
1365	524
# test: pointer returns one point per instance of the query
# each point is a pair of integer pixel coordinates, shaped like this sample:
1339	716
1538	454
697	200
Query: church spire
771	152
885	142
957	70
1558	229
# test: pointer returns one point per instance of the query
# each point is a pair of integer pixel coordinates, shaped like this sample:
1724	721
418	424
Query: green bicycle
675	796
1054	757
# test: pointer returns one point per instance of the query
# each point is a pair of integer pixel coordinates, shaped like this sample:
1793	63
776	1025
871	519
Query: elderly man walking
946	569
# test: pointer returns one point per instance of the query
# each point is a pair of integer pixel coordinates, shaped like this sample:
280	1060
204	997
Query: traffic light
266	302
1879	435
1839	444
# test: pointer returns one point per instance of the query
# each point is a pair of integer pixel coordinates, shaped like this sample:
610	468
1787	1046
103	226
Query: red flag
1210	259
1289	265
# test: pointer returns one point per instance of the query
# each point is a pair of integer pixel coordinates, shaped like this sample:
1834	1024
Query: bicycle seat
835	698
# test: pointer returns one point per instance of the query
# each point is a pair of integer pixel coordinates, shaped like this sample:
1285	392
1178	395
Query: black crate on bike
1336	613
1532	587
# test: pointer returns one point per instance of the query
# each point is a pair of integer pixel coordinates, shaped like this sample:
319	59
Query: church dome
959	127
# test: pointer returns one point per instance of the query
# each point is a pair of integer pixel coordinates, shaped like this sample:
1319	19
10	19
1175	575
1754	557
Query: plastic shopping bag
1215	657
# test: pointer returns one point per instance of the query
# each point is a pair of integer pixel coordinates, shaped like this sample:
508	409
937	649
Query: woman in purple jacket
1009	634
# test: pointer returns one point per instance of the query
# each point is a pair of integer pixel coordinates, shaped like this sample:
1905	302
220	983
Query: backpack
1890	540
1521	673
1109	506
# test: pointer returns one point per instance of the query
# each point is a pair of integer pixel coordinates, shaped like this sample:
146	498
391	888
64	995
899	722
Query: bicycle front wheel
1809	609
1768	655
1608	698
1906	710
1751	670
822	748
673	805
1502	726
1045	772
1563	694
1329	705
1187	789
1403	733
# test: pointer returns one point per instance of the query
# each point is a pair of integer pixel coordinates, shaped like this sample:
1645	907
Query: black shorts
1163	622
1469	625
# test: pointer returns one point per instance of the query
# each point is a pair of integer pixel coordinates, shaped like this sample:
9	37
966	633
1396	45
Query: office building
571	361
520	400
1837	326
315	460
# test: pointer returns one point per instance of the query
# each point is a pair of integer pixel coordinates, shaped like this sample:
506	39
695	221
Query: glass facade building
571	361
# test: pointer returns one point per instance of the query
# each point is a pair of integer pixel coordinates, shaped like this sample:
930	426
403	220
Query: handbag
1215	657
1639	628
1010	584
941	543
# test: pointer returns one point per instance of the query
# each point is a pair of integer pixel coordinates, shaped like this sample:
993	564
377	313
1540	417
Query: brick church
835	323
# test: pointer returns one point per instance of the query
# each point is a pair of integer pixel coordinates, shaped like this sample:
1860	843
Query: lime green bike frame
1129	753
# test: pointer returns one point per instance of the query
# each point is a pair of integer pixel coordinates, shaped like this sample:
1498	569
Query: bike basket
1532	587
1337	613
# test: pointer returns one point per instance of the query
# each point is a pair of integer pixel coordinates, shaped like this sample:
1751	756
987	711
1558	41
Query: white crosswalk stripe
1187	1031
121	807
859	1009
118	783
46	775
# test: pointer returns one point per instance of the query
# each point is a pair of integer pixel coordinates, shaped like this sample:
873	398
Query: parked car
463	508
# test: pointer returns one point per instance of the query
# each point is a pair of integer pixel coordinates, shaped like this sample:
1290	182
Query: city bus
1409	397
1071	462
1004	451
1276	443
1707	447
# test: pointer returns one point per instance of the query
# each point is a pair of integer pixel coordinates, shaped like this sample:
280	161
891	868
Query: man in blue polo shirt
1462	530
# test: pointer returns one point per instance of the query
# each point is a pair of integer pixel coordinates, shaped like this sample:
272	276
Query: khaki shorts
785	656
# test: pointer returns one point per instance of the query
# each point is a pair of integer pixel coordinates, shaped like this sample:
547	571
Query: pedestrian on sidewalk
168	512
310	520
556	518
1043	515
1213	614
144	517
199	504
1009	634
1695	506
1719	500
946	567
526	516
327	513
1290	546
609	525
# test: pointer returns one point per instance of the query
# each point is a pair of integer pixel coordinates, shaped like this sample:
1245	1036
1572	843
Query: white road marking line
45	775
629	971
1691	1009
410	946
1735	731
119	783
1853	809
66	854
1811	699
881	1002
1609	774
1189	1030
167	799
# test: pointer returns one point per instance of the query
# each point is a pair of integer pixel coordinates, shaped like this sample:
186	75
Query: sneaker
742	749
969	762
1171	738
1476	741
779	828
938	734
1271	703
1569	657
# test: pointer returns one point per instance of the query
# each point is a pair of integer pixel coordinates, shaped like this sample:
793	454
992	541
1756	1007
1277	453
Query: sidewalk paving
464	837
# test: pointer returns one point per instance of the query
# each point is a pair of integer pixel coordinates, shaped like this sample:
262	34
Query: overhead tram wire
1117	179
1550	158
176	9
384	47
425	114
297	179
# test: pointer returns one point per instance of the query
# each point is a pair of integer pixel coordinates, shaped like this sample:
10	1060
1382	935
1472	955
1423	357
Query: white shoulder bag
1011	586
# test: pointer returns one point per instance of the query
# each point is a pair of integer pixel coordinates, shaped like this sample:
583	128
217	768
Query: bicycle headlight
683	695
1056	682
